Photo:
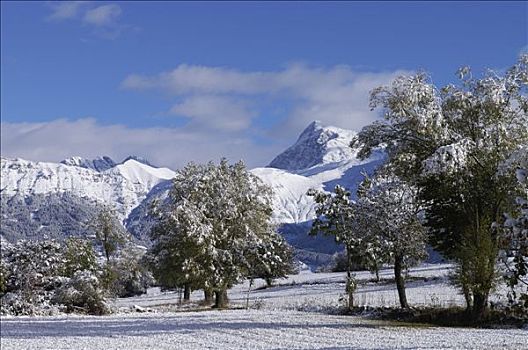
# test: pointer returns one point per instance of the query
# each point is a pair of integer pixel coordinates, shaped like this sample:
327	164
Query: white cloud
336	96
214	112
103	20
105	15
201	79
172	147
227	111
66	9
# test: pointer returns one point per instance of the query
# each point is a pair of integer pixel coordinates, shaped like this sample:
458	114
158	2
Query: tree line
455	178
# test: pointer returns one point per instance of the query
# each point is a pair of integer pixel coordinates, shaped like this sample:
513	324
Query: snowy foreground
291	316
241	329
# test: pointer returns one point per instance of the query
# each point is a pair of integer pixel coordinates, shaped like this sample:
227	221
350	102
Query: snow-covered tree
33	270
209	233
514	233
269	257
81	293
79	255
450	143
109	232
110	236
130	274
345	220
390	210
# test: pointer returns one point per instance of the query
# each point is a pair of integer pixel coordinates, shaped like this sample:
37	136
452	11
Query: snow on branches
216	229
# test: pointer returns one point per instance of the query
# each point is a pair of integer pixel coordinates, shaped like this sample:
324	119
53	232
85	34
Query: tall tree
340	217
210	233
391	210
514	234
450	143
109	232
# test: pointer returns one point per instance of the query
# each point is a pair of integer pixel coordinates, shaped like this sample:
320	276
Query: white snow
241	329
278	324
320	159
123	186
290	202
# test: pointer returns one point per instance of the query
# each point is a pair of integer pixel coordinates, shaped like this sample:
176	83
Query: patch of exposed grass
443	317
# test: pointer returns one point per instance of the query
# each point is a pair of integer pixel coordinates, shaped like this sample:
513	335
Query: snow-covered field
310	291
241	329
288	317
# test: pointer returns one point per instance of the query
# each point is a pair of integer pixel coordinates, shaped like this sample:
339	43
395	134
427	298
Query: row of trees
453	156
382	226
40	277
214	230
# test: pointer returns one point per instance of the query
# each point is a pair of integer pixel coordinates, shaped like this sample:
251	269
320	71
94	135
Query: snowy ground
285	320
241	329
310	291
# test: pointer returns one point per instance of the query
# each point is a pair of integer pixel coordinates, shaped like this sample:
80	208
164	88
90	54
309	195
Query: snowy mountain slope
124	186
97	164
317	145
321	158
290	204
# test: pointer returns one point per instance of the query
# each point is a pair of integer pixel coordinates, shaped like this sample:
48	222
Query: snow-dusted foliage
451	143
448	159
108	230
214	229
340	217
46	277
130	274
515	233
32	271
81	293
381	226
391	209
79	255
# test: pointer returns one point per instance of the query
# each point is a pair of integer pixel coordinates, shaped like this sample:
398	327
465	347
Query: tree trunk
221	299
349	277
400	282
208	296
249	291
480	305
377	275
269	281
187	293
467	297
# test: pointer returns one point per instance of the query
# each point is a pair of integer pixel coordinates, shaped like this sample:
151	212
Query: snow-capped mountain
317	145
321	159
123	186
53	199
97	164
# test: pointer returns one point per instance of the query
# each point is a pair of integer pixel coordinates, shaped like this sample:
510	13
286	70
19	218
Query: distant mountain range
40	199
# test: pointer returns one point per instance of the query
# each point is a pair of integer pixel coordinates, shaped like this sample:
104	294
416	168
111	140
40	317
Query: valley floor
293	315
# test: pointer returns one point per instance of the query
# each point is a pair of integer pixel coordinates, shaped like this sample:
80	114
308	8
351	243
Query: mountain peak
138	159
317	145
98	164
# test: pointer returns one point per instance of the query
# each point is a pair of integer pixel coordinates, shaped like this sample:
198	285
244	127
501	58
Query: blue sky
177	81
